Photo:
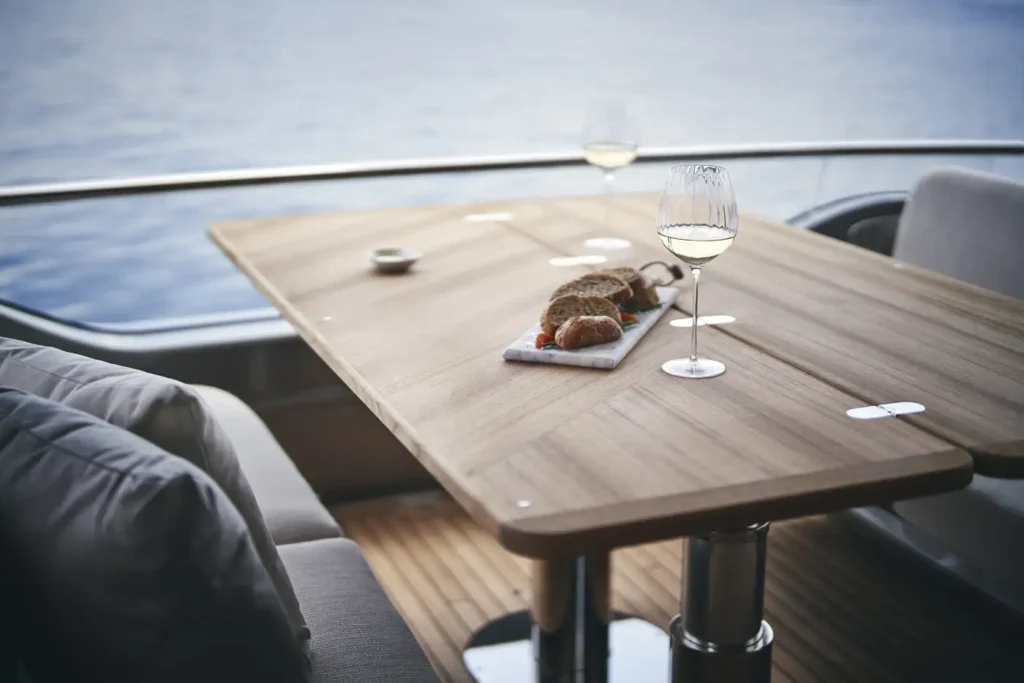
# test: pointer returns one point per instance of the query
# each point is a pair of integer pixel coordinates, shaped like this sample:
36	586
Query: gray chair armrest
838	217
877	234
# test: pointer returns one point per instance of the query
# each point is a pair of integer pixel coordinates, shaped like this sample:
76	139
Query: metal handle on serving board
674	270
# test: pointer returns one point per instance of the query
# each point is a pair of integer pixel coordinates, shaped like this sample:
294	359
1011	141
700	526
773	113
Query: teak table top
561	460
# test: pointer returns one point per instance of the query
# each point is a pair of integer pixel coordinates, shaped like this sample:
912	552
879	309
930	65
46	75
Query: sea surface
120	88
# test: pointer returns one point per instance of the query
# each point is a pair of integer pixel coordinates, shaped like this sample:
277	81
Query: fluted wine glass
697	221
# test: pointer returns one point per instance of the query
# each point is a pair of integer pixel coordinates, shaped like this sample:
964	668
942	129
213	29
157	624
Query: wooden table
563	464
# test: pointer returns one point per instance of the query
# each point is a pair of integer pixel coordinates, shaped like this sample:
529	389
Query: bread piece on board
587	330
643	294
607	286
570	305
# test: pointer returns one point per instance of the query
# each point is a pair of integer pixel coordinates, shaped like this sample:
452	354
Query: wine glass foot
703	320
702	368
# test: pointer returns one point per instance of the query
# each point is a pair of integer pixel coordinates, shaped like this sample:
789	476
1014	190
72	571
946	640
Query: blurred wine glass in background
610	142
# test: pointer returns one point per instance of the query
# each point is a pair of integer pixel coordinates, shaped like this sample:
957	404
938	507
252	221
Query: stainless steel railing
90	189
261	324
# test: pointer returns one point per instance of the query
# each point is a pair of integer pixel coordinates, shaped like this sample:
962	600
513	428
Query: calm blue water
100	88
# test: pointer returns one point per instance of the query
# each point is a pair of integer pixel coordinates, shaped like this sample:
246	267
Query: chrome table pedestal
721	635
570	634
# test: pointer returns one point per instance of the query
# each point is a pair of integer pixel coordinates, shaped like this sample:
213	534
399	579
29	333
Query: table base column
692	662
720	635
570	634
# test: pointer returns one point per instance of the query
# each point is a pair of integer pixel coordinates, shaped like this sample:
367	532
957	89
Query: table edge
677	515
999	460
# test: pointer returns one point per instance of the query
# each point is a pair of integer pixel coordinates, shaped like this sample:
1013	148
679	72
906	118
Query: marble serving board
602	356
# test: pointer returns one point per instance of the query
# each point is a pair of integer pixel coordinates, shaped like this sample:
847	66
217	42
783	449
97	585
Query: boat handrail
154	336
16	195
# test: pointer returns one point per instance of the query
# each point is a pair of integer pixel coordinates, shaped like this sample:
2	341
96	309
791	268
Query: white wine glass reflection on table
610	142
697	221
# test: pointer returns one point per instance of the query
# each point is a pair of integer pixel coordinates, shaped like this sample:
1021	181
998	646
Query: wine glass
609	142
697	221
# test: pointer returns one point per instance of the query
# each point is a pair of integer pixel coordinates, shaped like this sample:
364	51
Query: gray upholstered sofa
348	628
356	633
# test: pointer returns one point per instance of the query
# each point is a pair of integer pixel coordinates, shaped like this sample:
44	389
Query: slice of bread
642	292
565	307
606	286
587	330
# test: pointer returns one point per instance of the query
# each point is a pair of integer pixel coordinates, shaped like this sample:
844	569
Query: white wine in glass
696	245
609	156
697	221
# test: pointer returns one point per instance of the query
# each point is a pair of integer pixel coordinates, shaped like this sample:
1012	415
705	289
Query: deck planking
842	610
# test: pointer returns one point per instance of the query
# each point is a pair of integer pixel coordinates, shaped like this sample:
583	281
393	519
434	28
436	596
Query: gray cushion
982	524
358	637
126	563
968	225
291	509
169	414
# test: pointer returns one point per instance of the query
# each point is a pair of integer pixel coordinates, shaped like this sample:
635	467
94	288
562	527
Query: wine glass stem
693	333
609	188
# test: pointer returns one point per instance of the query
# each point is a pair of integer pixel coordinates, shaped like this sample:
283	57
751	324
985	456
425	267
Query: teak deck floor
842	609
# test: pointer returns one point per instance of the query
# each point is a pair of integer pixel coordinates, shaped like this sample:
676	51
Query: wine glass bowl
697	221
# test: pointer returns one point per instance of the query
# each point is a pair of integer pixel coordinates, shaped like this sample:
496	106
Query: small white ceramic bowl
393	259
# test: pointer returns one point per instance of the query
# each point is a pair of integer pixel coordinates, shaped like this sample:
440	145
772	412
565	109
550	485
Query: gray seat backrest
968	225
